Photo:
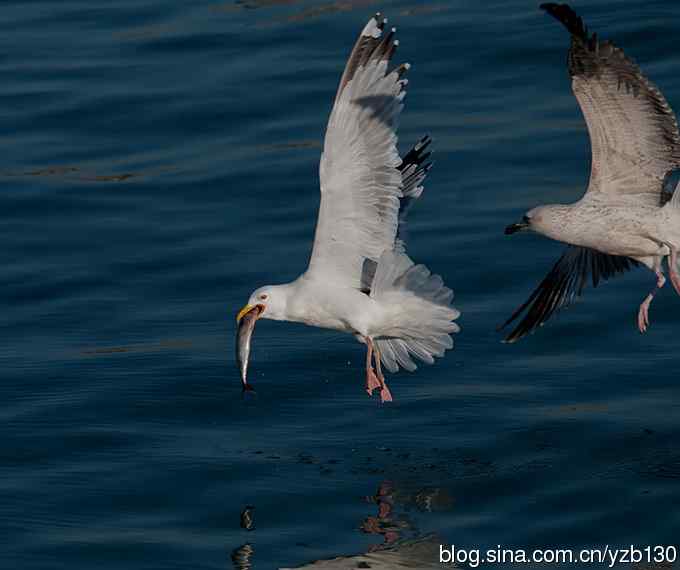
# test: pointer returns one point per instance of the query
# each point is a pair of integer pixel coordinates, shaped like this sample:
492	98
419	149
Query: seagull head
548	220
269	301
532	220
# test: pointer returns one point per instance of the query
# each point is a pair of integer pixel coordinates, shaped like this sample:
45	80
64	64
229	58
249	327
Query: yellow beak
244	311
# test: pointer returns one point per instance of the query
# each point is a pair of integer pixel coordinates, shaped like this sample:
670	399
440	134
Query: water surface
160	161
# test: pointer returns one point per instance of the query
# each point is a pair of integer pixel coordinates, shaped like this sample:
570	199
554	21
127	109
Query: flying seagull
359	278
627	217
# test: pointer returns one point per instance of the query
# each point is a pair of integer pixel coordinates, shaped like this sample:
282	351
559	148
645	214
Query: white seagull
627	216
359	278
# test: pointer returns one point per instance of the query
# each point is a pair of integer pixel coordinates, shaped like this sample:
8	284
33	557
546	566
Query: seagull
627	217
360	279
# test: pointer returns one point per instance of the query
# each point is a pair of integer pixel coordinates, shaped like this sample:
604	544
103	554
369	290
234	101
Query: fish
246	325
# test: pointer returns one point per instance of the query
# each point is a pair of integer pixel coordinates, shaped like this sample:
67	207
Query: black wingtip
564	14
418	155
510	340
563	284
424	142
380	21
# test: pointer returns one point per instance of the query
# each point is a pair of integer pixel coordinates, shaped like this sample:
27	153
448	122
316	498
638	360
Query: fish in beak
246	319
514	228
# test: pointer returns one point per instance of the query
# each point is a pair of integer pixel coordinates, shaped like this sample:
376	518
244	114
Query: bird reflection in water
403	545
247	519
384	523
241	557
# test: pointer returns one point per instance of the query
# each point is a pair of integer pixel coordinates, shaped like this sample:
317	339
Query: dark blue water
159	162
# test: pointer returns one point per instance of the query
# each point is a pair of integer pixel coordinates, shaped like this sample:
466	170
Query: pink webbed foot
372	382
643	316
675	280
643	313
375	379
385	394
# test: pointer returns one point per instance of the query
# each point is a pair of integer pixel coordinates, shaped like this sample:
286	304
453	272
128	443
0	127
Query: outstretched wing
566	281
414	168
633	131
361	184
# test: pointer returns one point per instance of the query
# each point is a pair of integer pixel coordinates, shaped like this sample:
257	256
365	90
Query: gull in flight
359	278
627	217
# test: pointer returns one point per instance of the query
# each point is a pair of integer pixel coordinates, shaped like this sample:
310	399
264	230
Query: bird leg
372	381
643	313
673	268
385	394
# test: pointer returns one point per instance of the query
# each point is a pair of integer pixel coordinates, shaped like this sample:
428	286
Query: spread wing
633	131
361	184
563	284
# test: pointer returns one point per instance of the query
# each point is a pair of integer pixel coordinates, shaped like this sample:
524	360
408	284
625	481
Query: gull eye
526	219
263	297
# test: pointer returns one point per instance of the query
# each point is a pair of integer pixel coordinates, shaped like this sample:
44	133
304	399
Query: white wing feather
360	182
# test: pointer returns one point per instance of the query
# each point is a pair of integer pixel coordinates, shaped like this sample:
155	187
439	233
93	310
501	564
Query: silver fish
246	325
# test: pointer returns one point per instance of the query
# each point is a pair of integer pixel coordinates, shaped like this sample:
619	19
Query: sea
159	162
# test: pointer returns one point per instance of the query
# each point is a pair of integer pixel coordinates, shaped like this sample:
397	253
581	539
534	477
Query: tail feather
394	353
418	318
